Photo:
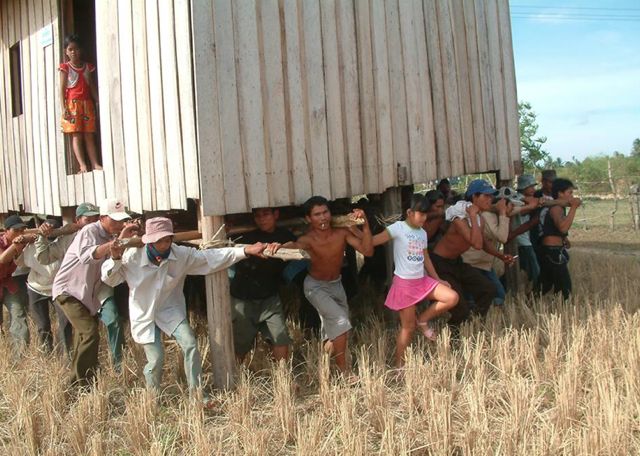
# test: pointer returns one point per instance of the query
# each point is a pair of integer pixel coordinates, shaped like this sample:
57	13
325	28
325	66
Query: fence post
634	203
615	196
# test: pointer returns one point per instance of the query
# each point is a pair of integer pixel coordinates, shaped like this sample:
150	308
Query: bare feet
97	167
83	168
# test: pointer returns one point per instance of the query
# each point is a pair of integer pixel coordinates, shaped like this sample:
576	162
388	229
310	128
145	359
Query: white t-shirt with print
408	250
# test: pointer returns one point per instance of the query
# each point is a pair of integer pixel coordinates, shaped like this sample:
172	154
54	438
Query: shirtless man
323	287
463	233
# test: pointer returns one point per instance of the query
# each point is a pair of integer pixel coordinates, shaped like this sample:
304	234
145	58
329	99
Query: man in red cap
155	275
12	292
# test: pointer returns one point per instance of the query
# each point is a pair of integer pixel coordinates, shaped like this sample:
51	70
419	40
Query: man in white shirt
77	286
51	252
155	275
39	284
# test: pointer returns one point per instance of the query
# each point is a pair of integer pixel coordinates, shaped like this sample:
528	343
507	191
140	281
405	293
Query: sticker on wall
46	35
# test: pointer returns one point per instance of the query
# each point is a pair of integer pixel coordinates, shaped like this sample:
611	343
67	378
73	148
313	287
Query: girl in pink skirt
410	283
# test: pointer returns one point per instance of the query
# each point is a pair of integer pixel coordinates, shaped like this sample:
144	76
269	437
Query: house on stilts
220	106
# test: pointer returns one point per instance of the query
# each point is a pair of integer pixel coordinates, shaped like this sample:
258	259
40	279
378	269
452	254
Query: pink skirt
408	292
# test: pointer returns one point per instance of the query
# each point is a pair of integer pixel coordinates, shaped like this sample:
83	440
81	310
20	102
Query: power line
578	16
575	18
588	8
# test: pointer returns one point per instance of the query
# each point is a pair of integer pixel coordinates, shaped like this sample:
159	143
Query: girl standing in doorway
79	98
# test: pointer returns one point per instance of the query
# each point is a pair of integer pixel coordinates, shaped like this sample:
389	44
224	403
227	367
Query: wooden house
249	103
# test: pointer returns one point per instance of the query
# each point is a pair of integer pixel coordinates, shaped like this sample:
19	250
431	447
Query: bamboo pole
69	228
337	221
182	236
191	236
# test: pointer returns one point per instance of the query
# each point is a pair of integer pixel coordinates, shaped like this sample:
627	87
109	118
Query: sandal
351	379
427	331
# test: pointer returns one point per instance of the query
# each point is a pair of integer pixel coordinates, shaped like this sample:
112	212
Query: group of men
465	237
76	272
29	263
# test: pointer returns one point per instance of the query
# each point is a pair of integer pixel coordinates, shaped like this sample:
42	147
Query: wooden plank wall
147	115
331	97
31	167
294	98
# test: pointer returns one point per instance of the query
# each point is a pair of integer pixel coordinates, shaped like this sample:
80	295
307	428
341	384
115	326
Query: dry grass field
534	378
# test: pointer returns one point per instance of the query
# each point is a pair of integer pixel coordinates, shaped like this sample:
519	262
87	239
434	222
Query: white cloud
580	94
549	18
586	114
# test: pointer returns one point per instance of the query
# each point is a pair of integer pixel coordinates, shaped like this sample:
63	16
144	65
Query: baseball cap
114	209
87	210
14	222
549	174
480	186
526	181
156	228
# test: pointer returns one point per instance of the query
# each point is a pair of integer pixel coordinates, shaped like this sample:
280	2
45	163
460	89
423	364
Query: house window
15	69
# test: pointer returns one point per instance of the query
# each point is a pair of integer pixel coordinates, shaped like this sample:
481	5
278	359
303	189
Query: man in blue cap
466	230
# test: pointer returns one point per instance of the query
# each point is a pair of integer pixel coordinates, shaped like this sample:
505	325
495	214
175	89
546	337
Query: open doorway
79	17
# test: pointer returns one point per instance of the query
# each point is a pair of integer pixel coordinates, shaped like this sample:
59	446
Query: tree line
590	173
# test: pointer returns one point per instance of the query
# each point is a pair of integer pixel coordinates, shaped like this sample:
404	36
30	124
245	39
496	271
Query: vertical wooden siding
147	111
146	102
295	98
32	167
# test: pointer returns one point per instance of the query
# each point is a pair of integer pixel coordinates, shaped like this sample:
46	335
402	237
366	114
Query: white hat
114	209
510	194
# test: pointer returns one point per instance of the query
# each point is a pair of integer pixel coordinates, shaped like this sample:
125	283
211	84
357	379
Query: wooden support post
512	275
219	316
391	205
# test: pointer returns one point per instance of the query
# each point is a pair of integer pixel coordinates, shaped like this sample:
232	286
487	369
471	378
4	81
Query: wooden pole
511	273
219	316
391	205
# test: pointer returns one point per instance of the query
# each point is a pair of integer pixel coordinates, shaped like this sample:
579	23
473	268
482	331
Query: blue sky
578	64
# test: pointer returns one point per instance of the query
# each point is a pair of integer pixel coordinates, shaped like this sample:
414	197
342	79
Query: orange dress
81	112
